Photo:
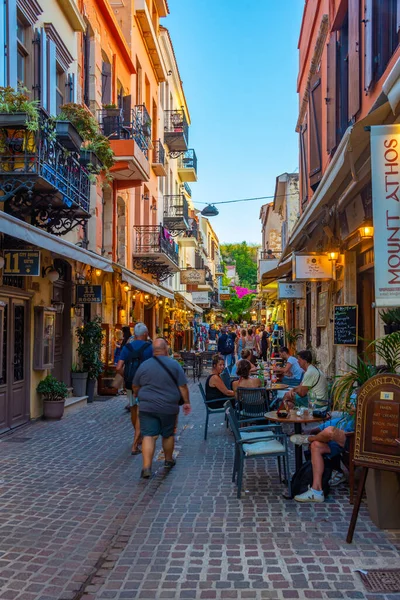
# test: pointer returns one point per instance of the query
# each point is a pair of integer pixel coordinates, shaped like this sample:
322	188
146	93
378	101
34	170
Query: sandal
135	452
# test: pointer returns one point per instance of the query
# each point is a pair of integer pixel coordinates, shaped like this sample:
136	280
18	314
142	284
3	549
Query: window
60	89
342	79
22	52
106	81
315	120
384	18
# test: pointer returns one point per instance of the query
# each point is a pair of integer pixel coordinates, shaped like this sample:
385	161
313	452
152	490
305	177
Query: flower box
68	136
88	157
13	120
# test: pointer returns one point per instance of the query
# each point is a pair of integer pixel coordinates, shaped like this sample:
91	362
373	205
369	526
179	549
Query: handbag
181	400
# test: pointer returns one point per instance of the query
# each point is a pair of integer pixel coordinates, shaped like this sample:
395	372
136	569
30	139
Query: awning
166	293
135	280
194	307
38	237
391	86
283	269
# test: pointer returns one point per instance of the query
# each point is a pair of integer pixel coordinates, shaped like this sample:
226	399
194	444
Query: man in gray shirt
159	384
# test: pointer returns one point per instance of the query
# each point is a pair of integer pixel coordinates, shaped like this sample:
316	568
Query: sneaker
299	439
310	496
337	478
168	464
145	474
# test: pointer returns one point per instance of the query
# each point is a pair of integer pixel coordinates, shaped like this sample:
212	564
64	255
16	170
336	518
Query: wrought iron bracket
176	154
12	186
152	267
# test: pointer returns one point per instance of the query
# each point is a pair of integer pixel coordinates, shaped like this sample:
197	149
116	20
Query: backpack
303	478
229	346
132	365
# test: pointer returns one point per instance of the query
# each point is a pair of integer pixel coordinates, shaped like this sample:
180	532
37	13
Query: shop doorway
366	314
63	341
14	362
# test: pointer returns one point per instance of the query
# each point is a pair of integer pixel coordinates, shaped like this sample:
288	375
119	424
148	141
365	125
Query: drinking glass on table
312	398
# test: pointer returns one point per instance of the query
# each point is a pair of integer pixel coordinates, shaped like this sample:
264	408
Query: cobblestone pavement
76	522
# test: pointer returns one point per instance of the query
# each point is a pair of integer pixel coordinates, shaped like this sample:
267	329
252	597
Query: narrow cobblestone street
77	522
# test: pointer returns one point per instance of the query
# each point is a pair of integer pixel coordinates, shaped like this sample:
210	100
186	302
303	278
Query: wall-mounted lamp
127	287
160	302
51	273
145	196
98	272
169	73
333	255
134	297
153	207
79	310
146	296
366	232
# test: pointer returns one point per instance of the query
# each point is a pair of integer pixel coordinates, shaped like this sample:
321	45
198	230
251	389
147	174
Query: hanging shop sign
224	296
88	294
312	266
200	298
289	291
22	262
385	166
193	276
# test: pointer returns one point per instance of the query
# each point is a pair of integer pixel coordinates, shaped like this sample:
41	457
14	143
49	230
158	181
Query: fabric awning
165	293
391	86
190	305
38	237
281	270
135	280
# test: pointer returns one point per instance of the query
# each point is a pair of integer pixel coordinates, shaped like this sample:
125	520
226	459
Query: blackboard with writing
345	325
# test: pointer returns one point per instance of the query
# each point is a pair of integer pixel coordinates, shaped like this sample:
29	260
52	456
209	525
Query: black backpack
303	478
132	365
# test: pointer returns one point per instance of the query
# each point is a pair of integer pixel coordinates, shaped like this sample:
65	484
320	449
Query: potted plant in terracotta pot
79	380
90	337
53	393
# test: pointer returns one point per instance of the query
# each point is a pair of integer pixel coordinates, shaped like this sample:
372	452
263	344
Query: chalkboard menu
345	325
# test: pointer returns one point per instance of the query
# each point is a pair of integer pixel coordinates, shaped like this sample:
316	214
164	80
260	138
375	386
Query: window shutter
11	41
3	44
303	164
315	172
127	109
43	98
52	77
106	79
331	94
398	15
369	45
71	88
86	68
354	58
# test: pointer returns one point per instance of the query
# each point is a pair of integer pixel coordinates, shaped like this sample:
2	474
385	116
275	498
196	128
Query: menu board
385	421
345	325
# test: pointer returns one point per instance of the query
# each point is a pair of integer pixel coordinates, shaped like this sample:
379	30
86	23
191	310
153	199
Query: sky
238	62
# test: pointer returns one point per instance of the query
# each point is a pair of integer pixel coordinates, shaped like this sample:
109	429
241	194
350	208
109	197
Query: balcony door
14	365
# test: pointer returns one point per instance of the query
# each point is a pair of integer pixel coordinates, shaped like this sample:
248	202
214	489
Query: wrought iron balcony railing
158	153
118	124
188	160
155	251
40	179
176	213
188	189
176	130
269	255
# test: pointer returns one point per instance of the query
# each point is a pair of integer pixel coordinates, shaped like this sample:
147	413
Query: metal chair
260	440
189	363
206	358
251	404
226	378
209	409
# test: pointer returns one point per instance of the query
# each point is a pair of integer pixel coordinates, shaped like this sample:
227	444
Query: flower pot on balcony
68	136
13	120
112	112
88	157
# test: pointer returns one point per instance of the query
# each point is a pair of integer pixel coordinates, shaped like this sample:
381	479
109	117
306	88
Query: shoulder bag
172	376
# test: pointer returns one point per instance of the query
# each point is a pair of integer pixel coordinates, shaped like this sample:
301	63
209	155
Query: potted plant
79	380
396	319
112	110
67	134
292	336
387	318
17	110
53	393
90	337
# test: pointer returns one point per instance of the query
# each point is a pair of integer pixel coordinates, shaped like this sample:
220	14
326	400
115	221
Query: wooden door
14	375
366	314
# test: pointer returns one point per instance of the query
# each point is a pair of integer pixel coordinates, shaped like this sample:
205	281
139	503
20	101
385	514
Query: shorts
131	398
152	424
336	449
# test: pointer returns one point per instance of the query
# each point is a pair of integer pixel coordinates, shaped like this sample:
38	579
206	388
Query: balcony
176	213
190	237
129	133
176	131
187	166
219	269
267	260
40	180
150	36
155	251
187	190
158	159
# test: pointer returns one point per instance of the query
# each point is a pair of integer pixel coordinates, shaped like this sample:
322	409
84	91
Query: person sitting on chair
215	388
313	380
243	370
292	372
245	355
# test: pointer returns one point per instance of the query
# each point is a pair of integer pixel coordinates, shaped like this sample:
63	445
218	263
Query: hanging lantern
210	211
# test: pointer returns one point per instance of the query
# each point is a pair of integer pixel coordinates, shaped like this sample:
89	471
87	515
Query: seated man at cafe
328	439
313	381
292	372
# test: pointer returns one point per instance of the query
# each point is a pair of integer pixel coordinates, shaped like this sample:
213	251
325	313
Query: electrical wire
240	200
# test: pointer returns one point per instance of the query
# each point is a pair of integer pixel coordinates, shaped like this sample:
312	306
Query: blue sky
238	62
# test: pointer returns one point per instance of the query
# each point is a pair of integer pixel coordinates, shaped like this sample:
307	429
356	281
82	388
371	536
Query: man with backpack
132	355
226	346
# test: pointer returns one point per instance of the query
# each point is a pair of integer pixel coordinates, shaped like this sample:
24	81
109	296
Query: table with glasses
298	421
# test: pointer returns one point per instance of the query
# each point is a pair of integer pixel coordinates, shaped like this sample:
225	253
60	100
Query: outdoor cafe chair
259	440
190	363
251	404
226	378
209	408
206	358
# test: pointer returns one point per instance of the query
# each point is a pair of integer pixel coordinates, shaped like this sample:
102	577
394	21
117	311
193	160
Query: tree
245	257
238	309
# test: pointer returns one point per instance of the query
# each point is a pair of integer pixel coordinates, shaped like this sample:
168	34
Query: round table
297	422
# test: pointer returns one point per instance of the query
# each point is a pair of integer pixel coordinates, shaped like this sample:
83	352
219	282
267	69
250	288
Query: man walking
159	384
264	335
226	347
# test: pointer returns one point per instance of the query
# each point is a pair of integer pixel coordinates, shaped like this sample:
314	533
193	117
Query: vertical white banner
385	167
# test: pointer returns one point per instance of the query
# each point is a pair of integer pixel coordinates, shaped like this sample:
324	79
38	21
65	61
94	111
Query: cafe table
297	421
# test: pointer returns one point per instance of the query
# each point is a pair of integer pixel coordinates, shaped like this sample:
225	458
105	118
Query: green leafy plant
109	106
76	368
345	385
293	335
18	101
90	337
52	389
388	348
387	316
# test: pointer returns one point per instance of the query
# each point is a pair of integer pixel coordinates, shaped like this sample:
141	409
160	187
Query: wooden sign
345	325
323	309
22	262
193	276
377	431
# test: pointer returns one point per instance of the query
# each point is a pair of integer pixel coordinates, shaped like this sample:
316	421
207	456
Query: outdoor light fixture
210	211
145	196
366	232
51	273
160	302
127	287
146	296
333	255
134	297
98	272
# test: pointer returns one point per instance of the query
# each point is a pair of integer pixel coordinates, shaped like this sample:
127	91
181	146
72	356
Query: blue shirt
346	423
126	353
295	369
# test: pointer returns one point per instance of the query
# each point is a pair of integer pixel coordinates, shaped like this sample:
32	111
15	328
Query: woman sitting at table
215	388
245	355
244	370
